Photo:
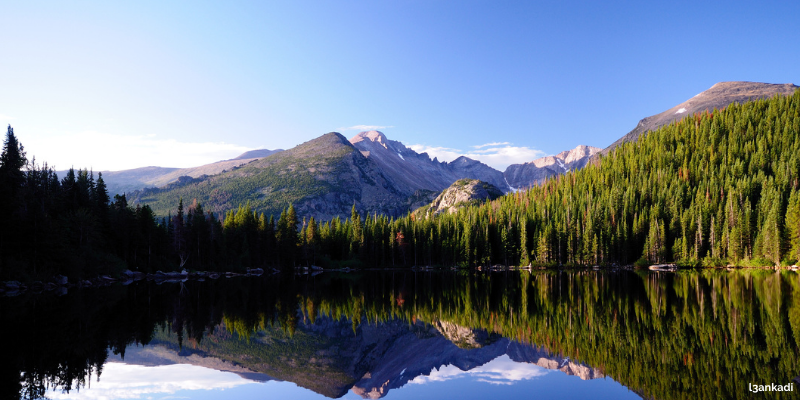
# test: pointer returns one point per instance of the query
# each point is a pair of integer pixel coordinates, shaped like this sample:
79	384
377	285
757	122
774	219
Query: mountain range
326	176
331	357
118	182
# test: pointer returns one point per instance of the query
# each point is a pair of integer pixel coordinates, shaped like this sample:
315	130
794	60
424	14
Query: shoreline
61	284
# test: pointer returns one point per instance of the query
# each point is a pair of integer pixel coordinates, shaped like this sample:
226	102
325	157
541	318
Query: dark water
548	334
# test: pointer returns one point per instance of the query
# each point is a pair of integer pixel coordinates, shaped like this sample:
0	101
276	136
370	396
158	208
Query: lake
707	334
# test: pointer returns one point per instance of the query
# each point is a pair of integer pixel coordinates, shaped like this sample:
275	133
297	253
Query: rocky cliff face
412	171
459	194
464	337
522	176
718	96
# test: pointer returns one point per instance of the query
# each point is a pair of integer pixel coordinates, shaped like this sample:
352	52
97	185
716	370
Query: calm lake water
400	334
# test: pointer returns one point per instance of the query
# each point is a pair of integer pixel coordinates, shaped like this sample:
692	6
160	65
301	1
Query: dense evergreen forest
714	189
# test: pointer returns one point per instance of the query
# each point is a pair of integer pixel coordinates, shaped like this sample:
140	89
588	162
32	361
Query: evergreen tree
12	179
12	161
793	225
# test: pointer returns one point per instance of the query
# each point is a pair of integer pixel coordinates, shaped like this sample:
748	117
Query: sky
119	85
501	376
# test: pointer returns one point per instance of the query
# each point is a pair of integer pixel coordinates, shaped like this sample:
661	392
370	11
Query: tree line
713	189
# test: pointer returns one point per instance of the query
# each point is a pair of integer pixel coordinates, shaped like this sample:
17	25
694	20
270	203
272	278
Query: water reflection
500	371
127	381
666	336
331	358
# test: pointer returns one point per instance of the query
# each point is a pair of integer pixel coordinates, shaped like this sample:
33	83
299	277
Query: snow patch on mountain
513	189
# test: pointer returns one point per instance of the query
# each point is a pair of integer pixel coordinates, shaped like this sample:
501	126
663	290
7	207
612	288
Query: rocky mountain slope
461	193
522	176
323	178
332	356
718	96
412	171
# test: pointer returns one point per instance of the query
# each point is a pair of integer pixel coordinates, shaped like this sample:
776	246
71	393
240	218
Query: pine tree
357	234
12	179
793	225
12	161
102	192
287	237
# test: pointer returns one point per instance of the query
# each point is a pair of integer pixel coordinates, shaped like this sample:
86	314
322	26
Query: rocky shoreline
60	284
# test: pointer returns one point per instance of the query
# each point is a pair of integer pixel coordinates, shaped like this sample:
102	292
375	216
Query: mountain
118	182
158	354
323	177
326	176
461	193
260	153
129	180
194	172
537	171
413	171
332	356
718	96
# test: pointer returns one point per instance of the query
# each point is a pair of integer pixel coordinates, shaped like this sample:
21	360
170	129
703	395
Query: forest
714	189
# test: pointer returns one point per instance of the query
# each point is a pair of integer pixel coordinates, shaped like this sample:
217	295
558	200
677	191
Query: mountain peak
413	171
329	138
372	136
718	96
260	153
579	153
538	170
754	86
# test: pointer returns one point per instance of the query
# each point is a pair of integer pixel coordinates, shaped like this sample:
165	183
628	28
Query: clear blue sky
113	85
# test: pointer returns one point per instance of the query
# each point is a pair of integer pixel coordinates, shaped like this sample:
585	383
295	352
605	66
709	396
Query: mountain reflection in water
663	335
370	361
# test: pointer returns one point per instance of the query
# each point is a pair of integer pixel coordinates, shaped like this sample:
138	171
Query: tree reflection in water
680	335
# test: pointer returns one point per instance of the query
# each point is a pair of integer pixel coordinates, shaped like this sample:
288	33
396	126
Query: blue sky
112	85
